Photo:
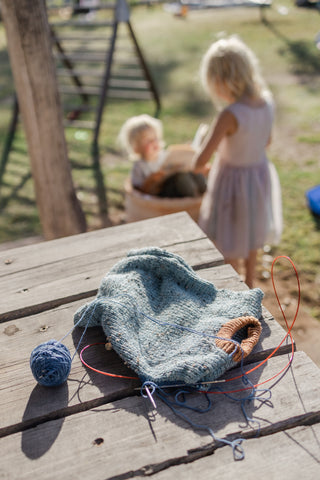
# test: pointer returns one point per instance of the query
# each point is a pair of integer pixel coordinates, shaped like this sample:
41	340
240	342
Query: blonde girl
241	209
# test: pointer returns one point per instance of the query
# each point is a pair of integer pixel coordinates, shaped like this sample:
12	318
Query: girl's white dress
242	209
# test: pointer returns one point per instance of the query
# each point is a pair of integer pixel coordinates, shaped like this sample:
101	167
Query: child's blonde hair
132	129
230	62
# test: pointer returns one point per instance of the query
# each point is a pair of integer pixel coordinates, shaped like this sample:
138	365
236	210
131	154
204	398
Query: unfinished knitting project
168	324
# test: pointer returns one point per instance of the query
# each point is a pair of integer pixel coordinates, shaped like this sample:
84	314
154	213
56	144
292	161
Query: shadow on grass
195	105
304	54
316	219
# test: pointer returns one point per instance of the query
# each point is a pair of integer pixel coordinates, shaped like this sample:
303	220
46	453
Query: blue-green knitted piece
142	303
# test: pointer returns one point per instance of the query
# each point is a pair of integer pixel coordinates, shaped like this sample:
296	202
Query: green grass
173	48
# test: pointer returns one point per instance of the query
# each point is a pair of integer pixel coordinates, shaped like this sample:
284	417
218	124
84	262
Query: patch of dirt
306	329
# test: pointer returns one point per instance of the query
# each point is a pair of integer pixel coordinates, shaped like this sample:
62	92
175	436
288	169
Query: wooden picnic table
96	427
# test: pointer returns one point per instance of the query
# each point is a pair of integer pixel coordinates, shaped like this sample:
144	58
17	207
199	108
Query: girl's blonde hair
231	64
131	130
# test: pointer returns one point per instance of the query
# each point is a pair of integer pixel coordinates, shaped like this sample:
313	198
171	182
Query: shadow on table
36	442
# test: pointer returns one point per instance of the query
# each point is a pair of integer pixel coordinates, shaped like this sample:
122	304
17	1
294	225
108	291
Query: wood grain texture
99	428
126	437
292	454
39	277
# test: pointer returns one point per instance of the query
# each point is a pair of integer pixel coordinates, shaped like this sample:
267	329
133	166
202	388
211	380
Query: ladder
95	63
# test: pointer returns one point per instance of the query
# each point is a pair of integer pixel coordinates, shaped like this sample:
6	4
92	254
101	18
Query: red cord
100	371
248	371
284	338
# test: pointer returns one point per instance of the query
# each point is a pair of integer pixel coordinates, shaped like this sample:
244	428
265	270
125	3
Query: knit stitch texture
151	303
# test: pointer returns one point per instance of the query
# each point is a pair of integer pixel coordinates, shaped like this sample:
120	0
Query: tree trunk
32	63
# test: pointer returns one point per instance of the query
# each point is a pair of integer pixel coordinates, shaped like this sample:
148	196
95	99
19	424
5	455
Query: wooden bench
95	427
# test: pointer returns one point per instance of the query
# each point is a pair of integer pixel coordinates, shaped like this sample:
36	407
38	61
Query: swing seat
140	206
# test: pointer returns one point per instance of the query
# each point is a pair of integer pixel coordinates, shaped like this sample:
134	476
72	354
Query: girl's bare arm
226	124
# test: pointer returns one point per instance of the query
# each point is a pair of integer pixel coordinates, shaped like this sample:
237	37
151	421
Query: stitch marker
151	397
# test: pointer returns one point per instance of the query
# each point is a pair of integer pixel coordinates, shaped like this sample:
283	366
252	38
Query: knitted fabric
161	318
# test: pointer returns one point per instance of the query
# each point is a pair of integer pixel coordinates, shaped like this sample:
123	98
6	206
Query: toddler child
141	137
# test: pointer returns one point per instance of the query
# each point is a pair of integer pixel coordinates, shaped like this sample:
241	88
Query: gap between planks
208	450
177	247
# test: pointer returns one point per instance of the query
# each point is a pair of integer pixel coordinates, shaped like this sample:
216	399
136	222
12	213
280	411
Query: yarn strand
236	445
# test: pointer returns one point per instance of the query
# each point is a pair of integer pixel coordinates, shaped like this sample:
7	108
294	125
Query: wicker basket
140	206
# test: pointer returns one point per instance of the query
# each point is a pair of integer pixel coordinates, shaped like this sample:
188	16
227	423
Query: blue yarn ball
50	363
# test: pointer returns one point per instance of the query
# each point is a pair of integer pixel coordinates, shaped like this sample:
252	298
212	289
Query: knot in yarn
50	363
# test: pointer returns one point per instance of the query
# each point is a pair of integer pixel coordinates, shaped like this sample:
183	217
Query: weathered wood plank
292	454
35	279
126	436
166	230
20	336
